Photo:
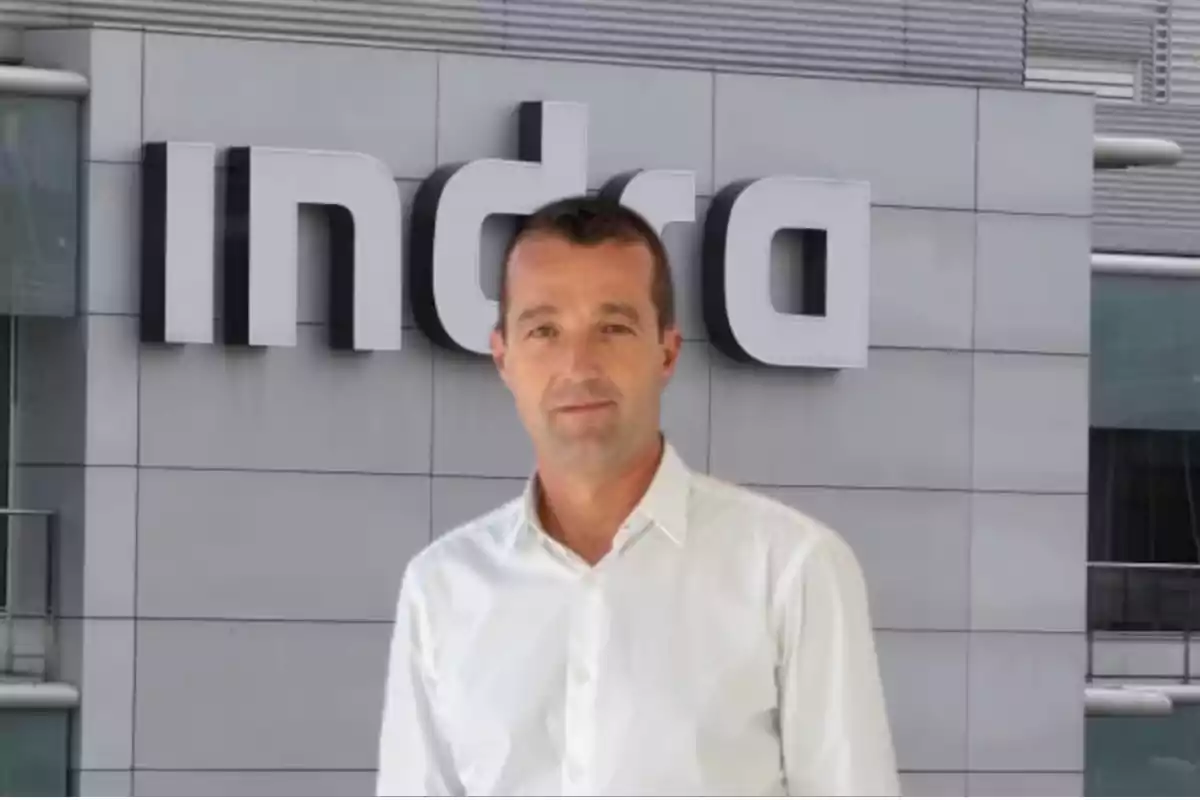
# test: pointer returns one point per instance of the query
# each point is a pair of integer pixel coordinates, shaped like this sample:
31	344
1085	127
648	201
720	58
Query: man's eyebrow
621	309
543	310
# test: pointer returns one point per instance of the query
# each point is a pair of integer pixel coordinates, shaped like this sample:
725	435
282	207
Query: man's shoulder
472	540
739	510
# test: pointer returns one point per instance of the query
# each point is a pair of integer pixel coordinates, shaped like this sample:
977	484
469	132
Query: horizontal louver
1185	52
1133	33
1109	27
1101	46
1114	80
1155	209
963	41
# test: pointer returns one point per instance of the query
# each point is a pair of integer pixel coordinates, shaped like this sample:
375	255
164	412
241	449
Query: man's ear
499	351
672	344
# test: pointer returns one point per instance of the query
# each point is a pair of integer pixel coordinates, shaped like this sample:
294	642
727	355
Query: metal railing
1146	599
30	600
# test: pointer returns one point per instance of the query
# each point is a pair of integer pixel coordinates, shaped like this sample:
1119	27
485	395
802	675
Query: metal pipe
25	512
1146	266
1177	693
42	82
1122	152
1134	565
1113	701
38	695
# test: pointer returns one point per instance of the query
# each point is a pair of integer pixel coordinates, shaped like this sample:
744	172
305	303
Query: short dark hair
592	220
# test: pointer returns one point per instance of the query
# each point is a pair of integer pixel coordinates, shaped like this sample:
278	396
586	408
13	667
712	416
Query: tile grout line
371	770
137	484
386	623
431	475
437	109
437	135
708	467
293	770
465	476
712	166
712	135
692	339
416	180
971	443
250	770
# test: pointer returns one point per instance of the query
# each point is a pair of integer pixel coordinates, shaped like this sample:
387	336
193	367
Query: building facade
232	522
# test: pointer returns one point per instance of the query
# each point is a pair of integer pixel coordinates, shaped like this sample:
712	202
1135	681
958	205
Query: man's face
582	354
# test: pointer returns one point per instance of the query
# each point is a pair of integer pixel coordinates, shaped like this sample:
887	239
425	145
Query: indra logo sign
368	285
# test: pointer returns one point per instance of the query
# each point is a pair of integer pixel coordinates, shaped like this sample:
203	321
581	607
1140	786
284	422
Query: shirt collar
664	505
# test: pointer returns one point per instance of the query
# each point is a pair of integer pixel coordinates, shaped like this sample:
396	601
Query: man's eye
614	327
542	332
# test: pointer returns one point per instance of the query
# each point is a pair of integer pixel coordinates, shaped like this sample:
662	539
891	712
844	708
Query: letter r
450	207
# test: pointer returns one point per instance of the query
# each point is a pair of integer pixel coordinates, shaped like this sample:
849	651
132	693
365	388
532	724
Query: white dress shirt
722	647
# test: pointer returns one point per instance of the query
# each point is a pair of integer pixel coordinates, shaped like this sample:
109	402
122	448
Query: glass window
1144	489
39	205
7	350
40	213
1144	756
1145	438
34	744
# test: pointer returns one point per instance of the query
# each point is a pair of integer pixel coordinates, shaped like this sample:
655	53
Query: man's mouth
579	408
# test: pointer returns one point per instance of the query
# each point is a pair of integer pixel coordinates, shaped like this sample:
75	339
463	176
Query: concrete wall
237	522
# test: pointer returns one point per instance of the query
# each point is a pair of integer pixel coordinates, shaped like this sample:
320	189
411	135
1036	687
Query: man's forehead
582	269
599	306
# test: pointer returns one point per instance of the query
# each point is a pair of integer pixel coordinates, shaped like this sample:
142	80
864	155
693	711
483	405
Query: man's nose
581	354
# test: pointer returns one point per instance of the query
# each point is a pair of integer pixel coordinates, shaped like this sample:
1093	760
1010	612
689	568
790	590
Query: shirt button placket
583	650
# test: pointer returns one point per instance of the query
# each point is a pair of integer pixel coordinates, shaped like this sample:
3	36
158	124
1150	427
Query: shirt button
580	673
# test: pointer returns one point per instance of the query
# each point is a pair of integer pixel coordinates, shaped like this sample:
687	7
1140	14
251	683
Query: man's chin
591	443
589	440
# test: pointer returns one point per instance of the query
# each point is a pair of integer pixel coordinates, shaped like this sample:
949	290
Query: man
627	626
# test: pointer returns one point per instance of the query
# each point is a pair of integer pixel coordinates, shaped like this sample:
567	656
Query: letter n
264	189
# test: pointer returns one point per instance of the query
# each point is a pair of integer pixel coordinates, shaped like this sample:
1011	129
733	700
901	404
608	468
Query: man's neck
585	510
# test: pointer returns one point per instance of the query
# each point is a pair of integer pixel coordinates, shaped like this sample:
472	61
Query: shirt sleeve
834	726
414	760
